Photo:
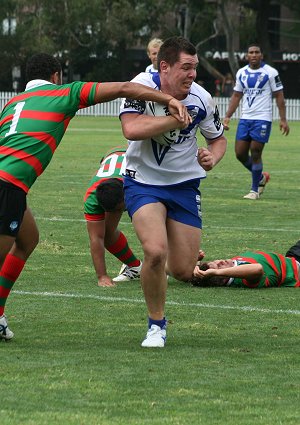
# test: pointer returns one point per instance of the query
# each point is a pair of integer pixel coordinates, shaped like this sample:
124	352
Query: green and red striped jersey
111	166
278	270
32	125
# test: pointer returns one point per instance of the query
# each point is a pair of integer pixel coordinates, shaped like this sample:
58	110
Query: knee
183	275
25	248
155	257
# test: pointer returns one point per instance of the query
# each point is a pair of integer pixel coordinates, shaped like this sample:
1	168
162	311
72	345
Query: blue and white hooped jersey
257	86
151	163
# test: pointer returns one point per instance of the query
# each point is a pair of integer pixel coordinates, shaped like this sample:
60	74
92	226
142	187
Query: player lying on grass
103	209
258	269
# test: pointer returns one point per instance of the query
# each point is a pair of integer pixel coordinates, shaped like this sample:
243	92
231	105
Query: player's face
220	264
254	57
181	75
152	53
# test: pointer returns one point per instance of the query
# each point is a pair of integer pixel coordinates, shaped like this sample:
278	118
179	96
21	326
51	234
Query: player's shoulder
145	78
200	92
269	69
150	68
242	69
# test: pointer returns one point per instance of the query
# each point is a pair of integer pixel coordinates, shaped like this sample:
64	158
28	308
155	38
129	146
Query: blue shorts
183	201
257	130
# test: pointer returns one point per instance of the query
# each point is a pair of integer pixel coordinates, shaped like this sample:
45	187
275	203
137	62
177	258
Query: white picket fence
111	109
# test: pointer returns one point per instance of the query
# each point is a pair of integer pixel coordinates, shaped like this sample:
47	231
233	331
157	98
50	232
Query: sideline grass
232	356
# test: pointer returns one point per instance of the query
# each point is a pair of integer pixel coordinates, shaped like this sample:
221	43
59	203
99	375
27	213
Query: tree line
105	40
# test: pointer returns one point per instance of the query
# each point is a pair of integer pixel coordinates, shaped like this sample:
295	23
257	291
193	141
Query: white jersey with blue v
257	86
151	163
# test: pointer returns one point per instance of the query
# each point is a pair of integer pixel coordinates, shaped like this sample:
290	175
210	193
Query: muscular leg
242	148
150	226
116	242
183	249
252	162
28	237
13	261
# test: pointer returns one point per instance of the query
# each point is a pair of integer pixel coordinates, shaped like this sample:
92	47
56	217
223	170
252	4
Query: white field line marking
141	301
124	223
101	130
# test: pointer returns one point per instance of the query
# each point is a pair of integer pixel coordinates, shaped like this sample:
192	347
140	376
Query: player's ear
56	78
163	66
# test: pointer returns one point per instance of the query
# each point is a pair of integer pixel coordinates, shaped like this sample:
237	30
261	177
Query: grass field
232	355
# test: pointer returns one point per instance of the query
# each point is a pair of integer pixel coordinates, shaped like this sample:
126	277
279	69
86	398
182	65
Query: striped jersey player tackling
32	125
161	182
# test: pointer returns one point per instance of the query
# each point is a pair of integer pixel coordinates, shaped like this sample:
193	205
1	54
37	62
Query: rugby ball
158	110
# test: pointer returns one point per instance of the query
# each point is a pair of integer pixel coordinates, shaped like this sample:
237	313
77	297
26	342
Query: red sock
9	273
122	252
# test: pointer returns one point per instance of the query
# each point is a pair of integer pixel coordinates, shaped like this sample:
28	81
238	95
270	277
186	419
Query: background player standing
255	83
152	51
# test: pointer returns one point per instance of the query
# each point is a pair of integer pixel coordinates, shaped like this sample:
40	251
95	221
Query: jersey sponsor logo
198	202
263	130
130	173
278	81
217	120
13	225
138	105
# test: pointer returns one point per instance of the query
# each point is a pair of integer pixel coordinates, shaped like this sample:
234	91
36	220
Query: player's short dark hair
252	44
172	47
42	66
110	193
207	281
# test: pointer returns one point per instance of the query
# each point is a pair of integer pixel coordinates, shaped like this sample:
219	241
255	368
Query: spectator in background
152	51
103	209
218	88
227	85
255	83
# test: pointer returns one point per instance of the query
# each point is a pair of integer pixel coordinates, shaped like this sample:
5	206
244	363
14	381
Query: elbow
260	270
129	133
126	89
